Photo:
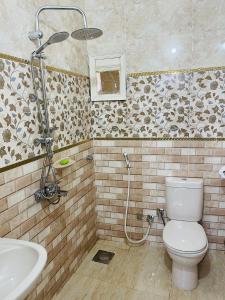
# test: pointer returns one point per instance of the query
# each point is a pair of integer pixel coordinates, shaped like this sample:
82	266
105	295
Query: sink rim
27	282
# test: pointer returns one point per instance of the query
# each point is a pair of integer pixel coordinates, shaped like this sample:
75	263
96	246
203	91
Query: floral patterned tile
20	121
207	113
185	105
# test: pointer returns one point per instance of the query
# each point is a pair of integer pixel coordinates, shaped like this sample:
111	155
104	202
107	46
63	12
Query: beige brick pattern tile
152	162
67	230
95	204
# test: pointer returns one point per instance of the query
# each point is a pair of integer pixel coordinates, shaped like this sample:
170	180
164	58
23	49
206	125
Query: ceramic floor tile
211	283
196	294
147	271
120	245
108	273
79	287
141	295
141	273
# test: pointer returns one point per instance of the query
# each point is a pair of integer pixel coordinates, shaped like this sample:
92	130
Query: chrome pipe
56	7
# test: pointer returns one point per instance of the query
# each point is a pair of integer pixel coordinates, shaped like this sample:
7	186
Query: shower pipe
37	34
49	189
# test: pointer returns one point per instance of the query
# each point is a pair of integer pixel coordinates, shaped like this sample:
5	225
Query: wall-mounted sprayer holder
127	160
161	215
150	219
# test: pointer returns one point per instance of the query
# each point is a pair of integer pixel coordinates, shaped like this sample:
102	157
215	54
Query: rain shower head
86	34
55	38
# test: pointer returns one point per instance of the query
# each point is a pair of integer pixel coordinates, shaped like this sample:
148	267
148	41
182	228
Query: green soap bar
64	162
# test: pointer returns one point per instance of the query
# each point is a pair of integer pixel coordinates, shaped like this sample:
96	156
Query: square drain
103	257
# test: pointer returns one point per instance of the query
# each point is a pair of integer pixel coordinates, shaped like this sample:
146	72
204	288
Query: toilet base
185	277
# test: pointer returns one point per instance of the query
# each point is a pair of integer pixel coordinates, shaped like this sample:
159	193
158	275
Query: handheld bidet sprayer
127	160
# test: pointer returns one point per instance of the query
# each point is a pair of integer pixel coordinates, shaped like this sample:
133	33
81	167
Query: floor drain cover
103	257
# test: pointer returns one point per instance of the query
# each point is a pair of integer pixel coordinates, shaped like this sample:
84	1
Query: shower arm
37	35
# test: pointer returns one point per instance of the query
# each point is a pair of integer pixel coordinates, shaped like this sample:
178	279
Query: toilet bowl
186	244
183	237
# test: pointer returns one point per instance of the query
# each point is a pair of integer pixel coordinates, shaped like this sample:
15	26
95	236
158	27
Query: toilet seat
185	237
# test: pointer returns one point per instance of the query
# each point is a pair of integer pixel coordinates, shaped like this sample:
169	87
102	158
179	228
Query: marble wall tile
209	48
204	13
160	35
151	19
18	18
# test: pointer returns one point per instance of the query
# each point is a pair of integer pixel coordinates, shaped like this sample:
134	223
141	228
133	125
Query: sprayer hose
126	215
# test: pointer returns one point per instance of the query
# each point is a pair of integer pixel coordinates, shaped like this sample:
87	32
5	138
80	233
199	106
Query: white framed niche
108	77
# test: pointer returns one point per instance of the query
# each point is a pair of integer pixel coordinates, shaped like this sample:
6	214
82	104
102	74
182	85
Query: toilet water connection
149	219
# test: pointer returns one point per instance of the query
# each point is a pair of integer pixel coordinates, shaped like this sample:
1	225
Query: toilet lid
184	236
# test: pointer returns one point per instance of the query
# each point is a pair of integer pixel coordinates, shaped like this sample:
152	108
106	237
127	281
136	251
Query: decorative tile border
49	68
134	75
159	139
24	162
172	72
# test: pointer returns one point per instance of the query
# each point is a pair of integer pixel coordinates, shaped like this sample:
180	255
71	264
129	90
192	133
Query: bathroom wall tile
183	105
2	180
67	230
208	48
7	189
151	166
175	52
143	18
205	21
3	204
109	16
160	35
12	174
16	197
23	181
4	229
20	125
74	52
8	214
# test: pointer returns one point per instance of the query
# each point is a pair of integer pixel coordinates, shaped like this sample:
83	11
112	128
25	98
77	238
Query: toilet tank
184	198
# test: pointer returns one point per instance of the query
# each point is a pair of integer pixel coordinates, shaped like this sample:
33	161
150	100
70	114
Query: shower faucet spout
62	193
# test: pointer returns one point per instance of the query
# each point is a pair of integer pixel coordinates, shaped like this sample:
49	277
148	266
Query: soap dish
57	164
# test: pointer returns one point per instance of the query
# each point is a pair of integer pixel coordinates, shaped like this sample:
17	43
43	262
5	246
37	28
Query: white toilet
184	238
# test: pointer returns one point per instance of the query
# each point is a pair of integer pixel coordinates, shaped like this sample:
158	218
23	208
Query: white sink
20	265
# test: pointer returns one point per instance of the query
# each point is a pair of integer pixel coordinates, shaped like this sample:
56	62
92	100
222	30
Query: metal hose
126	215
